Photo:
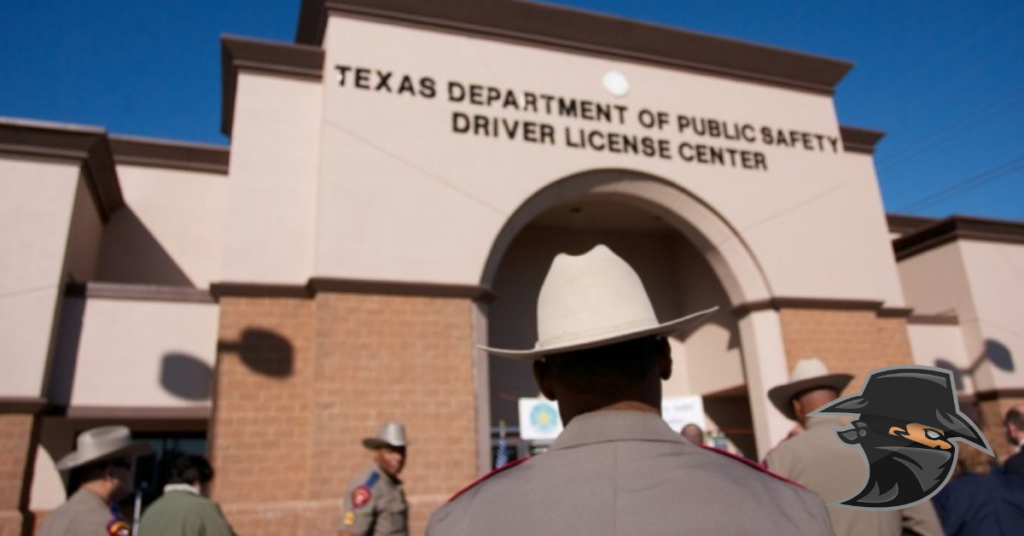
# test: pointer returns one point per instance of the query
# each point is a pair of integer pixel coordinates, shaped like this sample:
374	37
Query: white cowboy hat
104	443
592	300
808	374
392	434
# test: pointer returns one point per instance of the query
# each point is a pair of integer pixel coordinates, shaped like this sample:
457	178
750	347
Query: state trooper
618	468
815	458
103	461
375	503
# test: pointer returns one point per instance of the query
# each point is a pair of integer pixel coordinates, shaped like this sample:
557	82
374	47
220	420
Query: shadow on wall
130	253
994	352
186	376
264	352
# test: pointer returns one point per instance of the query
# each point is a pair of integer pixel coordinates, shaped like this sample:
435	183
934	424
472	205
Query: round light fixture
616	83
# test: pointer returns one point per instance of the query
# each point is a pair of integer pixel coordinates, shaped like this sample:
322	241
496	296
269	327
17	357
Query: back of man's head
1014	423
191	469
608	370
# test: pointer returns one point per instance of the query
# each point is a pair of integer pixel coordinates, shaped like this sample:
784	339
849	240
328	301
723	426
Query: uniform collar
818	422
187	488
88	495
384	476
604	426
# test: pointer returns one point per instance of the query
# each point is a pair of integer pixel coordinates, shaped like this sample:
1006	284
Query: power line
966	185
959	127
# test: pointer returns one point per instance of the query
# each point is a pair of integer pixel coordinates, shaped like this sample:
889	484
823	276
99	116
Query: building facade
397	182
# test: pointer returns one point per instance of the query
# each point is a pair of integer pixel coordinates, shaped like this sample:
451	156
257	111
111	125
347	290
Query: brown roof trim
259	290
895	312
995	394
124	291
133	412
860	140
32	405
903	224
238	53
358	286
808	303
169	154
89	147
934	320
958	228
317	285
582	31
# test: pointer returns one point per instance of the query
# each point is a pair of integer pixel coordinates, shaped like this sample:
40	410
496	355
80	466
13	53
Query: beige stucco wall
271	212
942	345
402	197
140	354
37	201
980	283
171	230
996	278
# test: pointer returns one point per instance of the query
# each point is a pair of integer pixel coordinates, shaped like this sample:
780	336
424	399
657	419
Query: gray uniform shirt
85	514
375	506
816	459
627	473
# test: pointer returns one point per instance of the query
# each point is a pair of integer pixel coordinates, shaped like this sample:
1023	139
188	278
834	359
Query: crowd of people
617	468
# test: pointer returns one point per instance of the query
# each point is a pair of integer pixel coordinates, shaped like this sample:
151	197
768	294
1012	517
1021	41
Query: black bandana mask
909	427
900	471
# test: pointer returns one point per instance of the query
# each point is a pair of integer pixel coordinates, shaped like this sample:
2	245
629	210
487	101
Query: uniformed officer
102	461
618	468
375	503
816	459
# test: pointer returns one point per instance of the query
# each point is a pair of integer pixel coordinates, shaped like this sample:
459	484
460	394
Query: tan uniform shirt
627	473
85	514
816	459
375	506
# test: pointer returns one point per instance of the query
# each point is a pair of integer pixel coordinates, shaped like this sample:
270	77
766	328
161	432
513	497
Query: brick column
17	444
286	444
852	341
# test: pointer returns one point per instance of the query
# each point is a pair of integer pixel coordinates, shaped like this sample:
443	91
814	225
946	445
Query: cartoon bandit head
908	428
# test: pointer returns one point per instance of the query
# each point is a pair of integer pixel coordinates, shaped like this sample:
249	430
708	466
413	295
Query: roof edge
958	228
587	32
860	140
89	147
138	151
240	53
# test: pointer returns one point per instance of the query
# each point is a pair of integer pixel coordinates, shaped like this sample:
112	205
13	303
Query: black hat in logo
909	427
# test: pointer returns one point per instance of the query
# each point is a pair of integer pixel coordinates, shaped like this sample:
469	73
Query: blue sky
943	79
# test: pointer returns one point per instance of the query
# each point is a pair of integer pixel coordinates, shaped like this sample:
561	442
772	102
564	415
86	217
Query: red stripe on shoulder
505	467
757	466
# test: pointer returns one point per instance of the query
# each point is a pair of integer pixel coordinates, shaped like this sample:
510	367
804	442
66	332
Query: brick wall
301	381
15	447
855	342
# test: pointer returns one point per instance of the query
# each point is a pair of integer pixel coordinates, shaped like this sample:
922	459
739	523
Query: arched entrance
688	257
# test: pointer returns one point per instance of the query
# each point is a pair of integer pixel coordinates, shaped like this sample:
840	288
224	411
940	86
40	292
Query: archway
688	256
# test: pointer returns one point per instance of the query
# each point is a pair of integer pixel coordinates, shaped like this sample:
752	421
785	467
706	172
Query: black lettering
342	71
460	123
529	102
646	118
766	136
406	86
569	142
476	94
493	94
480	123
567	108
428	88
748	133
759	161
664	149
622	113
835	144
456	92
599	137
686	151
383	81
510	101
547	134
547	103
362	78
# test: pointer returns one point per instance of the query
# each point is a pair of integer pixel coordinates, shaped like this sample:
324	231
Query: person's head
111	478
808	401
389	448
811	385
693	434
590	379
103	460
1013	425
390	459
193	470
